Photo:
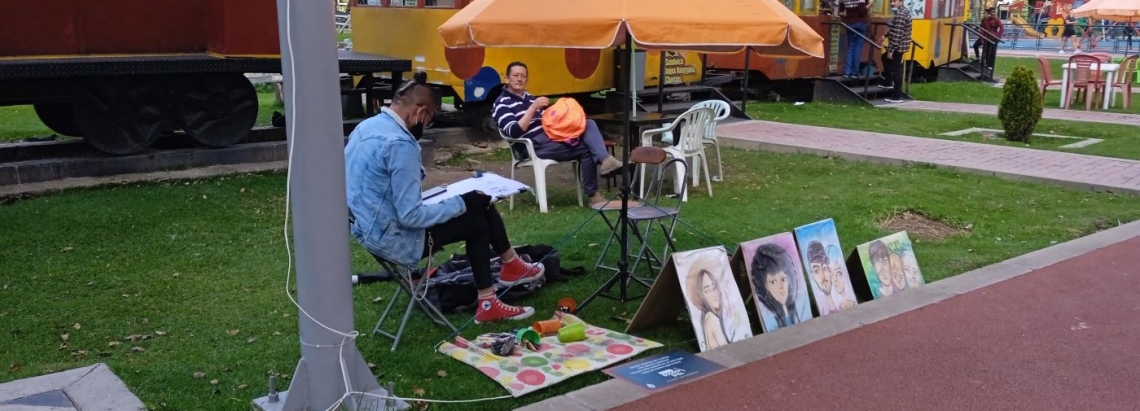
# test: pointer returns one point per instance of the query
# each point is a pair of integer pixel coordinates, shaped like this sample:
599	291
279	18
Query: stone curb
614	393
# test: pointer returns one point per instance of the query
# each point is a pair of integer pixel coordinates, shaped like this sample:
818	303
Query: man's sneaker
597	198
886	86
610	166
894	100
518	271
490	309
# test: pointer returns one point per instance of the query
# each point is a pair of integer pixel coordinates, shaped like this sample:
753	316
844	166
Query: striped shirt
898	35
509	109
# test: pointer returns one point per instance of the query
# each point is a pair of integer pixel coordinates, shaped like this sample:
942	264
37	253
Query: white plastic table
1109	91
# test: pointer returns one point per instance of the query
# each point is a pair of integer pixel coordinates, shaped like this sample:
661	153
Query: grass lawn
198	268
20	122
1120	141
981	93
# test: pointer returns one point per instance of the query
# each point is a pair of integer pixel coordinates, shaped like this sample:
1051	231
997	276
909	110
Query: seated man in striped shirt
519	115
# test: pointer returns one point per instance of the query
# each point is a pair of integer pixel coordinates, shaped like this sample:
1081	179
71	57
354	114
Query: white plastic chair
693	125
539	165
721	110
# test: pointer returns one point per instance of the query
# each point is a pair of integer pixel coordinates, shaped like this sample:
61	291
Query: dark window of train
440	3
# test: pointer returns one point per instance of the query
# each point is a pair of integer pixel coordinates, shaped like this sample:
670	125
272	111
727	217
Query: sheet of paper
494	185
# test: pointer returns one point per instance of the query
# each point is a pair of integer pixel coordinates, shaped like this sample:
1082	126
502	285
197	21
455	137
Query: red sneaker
491	309
518	271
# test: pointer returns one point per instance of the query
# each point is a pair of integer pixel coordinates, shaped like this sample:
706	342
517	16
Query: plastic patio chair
721	110
1124	79
692	125
1047	79
528	158
1085	78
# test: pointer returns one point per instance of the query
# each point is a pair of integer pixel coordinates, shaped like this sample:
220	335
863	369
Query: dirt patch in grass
919	226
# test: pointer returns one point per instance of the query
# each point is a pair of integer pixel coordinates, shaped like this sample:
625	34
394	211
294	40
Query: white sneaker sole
522	316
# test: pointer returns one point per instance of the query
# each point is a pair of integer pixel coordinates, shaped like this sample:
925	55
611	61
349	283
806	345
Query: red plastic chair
1083	76
1104	57
1046	76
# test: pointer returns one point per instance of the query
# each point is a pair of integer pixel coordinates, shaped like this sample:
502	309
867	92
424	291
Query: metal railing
908	68
987	68
862	59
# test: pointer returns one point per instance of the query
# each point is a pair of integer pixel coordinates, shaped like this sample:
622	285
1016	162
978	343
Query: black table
639	120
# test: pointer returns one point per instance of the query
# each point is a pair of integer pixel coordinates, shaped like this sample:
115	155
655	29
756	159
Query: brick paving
1067	169
1052	113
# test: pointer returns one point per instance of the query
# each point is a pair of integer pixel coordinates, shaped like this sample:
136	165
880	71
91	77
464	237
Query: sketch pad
494	185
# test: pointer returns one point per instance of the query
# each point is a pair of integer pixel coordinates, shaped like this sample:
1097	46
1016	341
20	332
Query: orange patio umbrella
678	25
1116	10
681	25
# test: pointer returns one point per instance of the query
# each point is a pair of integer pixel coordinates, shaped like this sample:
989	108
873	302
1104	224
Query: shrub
1020	107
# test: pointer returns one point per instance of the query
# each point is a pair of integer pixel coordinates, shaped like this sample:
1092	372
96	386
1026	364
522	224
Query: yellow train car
933	27
937	26
409	29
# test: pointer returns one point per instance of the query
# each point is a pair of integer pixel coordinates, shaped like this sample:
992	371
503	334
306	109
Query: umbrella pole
661	82
744	86
623	218
623	276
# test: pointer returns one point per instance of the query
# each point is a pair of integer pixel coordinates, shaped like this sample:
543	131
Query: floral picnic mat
526	371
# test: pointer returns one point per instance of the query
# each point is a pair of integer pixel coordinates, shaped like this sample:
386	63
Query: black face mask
417	131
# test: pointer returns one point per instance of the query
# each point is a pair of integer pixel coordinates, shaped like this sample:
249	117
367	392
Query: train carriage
933	27
122	73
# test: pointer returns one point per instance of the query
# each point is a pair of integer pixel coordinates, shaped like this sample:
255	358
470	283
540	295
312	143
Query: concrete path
1029	333
1054	167
89	388
1052	113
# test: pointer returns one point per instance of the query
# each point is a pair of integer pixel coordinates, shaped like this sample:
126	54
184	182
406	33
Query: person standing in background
855	16
993	28
898	43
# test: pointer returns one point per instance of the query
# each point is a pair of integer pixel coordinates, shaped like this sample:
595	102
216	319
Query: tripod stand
623	276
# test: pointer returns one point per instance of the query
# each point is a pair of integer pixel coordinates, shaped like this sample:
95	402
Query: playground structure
1038	20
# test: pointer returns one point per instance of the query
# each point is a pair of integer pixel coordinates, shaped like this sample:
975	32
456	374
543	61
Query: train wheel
58	116
122	115
217	110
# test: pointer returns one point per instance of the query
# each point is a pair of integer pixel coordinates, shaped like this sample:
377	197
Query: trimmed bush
1021	106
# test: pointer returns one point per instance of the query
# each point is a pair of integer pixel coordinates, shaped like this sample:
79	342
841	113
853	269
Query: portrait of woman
715	305
777	281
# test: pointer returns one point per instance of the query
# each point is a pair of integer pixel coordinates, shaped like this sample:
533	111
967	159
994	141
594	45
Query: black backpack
451	288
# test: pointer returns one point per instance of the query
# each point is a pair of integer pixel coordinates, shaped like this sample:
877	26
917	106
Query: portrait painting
779	288
715	305
822	257
890	265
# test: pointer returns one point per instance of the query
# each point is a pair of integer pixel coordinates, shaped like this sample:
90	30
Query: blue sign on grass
663	370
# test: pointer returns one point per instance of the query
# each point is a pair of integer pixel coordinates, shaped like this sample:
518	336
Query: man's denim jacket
382	161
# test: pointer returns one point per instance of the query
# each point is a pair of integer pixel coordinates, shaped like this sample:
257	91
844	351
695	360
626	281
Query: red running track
1065	337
